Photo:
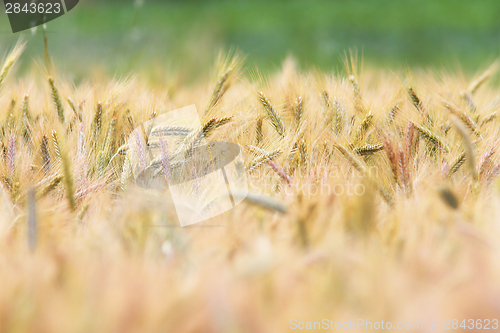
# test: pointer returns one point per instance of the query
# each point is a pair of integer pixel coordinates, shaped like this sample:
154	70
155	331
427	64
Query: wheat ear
73	107
468	122
170	131
409	140
126	171
259	135
474	86
56	99
57	144
417	102
274	117
430	136
27	120
11	157
353	160
457	164
469	148
11	59
280	172
44	191
393	112
368	149
259	161
337	117
485	161
96	124
229	67
44	150
327	108
108	146
298	110
363	128
391	155
358	100
493	174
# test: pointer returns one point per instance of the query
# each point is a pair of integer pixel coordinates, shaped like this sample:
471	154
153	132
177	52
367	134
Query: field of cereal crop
373	190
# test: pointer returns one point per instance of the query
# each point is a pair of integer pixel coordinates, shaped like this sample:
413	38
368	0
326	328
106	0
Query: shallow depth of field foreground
373	195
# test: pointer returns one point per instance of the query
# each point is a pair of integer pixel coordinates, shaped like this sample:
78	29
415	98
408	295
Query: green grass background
117	37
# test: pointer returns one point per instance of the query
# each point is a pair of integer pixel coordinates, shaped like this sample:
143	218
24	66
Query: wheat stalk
417	103
214	124
267	156
493	174
11	157
391	155
272	115
430	136
42	192
280	172
171	131
485	162
464	118
327	108
337	117
409	140
474	86
25	111
259	135
457	164
27	121
229	68
57	145
386	195
393	112
363	128
96	124
56	99
44	149
73	107
126	171
469	148
11	59
358	100
404	171
108	146
469	100
353	160
368	149
298	110
489	119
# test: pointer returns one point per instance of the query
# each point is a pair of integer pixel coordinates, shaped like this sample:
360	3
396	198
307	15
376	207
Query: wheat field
373	195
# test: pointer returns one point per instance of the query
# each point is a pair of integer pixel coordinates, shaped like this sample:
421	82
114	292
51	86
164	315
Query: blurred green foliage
121	36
